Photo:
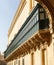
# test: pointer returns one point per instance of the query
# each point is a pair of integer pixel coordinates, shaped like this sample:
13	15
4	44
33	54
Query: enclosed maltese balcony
34	32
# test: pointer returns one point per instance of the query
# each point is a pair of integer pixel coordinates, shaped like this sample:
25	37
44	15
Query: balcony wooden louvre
34	32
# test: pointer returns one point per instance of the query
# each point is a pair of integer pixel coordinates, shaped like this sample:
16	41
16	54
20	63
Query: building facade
29	38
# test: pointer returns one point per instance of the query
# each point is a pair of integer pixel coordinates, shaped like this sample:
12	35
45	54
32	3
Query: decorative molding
18	12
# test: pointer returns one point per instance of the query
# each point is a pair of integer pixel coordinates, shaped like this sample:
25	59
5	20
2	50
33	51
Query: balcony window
36	12
41	9
41	16
37	26
37	17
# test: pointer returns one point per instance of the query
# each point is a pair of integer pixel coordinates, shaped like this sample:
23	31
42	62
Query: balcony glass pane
41	16
37	17
41	9
36	12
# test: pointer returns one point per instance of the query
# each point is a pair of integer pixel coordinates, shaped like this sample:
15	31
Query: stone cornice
18	12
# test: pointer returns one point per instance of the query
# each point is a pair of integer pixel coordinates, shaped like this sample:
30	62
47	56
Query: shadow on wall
2	62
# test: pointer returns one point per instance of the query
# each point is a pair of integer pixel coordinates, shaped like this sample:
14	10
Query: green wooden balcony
36	21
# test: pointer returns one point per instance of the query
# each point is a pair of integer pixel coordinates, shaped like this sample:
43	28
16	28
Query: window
41	16
41	9
37	17
23	61
37	12
37	26
18	62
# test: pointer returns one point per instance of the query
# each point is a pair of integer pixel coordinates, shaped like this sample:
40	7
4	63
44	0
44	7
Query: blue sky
7	12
